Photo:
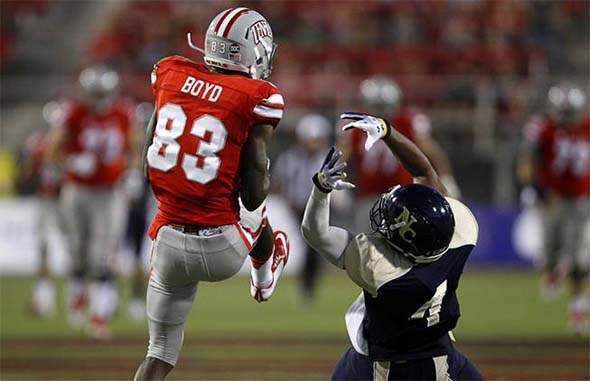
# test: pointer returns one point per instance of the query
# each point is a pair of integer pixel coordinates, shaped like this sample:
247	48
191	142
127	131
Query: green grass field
505	329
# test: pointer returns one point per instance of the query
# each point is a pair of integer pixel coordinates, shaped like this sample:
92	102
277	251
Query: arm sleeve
329	241
269	106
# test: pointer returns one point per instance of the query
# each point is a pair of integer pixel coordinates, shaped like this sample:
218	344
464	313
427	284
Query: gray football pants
564	223
94	219
48	218
179	262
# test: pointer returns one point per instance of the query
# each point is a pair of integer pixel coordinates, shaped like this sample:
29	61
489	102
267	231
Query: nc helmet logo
403	224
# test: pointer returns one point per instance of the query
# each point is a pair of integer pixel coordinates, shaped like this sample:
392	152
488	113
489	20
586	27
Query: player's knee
165	341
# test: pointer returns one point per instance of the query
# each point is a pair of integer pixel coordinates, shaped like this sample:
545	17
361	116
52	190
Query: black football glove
331	175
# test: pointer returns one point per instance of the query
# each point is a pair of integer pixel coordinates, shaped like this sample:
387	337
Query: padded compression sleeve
329	241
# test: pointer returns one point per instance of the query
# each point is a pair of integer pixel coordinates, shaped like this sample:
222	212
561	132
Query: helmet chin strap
193	46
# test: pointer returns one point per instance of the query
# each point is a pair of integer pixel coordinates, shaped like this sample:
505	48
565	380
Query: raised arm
328	241
255	178
414	161
408	154
440	161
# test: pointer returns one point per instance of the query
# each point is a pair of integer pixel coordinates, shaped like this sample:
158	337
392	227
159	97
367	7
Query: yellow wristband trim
385	128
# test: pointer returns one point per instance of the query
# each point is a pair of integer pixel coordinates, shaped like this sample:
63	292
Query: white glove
331	175
375	128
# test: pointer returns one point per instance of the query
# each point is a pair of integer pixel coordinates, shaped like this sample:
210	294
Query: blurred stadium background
478	69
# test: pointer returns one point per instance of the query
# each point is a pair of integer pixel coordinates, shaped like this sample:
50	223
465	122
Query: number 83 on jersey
165	151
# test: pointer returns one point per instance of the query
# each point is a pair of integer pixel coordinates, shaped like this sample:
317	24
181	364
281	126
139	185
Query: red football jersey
564	155
97	144
203	119
378	169
49	182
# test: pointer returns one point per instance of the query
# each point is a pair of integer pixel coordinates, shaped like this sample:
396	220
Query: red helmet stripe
232	21
222	18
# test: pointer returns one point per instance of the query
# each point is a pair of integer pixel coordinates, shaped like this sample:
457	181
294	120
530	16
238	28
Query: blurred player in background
408	266
556	160
377	170
207	164
291	172
47	180
96	147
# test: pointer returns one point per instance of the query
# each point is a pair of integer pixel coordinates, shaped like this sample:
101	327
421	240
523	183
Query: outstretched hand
375	128
331	175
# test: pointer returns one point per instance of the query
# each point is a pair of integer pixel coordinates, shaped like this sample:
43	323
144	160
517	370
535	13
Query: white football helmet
239	39
566	103
99	86
381	94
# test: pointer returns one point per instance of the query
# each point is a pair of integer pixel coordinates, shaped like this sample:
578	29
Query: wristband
386	128
318	184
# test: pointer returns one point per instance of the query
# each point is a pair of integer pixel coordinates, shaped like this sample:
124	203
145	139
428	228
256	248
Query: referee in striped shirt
291	173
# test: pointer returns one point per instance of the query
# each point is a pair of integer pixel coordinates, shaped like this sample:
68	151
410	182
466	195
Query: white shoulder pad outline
466	227
370	262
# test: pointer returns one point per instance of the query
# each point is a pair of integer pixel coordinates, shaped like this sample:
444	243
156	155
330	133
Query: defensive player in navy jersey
408	267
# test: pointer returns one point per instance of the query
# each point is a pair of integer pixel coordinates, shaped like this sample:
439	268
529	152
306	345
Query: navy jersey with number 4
406	311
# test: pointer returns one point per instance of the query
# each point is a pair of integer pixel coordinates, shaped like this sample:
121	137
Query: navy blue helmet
416	220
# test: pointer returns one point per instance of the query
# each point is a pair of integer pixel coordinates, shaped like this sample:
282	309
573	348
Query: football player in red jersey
95	144
556	158
207	164
377	170
47	179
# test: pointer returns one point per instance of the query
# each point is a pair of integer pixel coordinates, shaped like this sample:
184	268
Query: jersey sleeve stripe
227	19
275	99
272	105
268	112
221	19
